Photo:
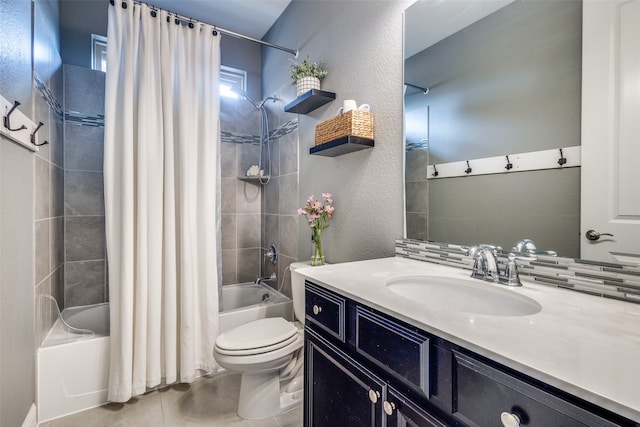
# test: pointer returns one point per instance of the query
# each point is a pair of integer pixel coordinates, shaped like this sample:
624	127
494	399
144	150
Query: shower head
273	98
244	95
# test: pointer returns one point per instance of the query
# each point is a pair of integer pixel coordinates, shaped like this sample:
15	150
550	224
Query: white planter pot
305	84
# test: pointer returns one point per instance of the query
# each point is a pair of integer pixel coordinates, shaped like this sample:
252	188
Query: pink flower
317	212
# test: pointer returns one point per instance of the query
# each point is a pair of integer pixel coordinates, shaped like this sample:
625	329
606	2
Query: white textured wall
361	42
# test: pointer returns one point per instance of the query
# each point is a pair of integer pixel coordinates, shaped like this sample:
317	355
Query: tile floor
208	402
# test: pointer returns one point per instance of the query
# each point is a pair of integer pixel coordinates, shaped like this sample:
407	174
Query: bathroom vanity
376	358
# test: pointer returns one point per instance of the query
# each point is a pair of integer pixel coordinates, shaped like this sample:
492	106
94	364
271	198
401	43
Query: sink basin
464	295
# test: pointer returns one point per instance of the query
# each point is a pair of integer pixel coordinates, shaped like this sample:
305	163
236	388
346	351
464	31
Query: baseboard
31	420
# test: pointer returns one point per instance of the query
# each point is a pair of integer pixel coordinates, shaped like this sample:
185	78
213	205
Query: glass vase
317	258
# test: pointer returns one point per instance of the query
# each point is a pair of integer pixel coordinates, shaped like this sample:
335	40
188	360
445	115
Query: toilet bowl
268	353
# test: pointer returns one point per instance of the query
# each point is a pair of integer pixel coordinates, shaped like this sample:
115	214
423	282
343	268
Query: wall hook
7	122
33	136
562	159
509	165
435	171
468	169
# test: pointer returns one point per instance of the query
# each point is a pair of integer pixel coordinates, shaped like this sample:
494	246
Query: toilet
269	354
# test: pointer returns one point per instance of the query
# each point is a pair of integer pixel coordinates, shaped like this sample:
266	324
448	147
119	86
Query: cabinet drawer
325	309
397	349
482	393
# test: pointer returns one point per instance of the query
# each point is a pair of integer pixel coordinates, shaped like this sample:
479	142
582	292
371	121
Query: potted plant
306	75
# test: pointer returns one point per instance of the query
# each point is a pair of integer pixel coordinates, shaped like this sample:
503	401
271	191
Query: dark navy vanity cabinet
366	368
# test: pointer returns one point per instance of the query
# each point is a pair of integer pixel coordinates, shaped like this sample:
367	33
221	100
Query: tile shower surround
49	200
590	277
244	223
85	241
86	273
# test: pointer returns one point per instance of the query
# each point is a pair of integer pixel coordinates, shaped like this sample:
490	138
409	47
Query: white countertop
585	345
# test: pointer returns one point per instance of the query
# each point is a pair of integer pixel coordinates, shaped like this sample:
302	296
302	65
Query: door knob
594	235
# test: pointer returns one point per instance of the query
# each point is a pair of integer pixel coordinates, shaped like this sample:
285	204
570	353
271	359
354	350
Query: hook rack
7	121
33	136
515	162
15	117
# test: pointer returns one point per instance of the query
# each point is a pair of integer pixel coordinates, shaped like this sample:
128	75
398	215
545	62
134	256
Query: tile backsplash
615	281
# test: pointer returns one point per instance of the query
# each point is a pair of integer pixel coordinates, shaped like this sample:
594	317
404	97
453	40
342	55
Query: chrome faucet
485	266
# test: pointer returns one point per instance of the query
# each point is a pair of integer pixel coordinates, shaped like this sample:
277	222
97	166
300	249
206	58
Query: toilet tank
297	289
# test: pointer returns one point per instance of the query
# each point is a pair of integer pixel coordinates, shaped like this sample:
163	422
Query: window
98	52
232	78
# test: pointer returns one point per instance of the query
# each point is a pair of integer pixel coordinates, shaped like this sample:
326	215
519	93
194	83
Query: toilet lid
254	351
257	334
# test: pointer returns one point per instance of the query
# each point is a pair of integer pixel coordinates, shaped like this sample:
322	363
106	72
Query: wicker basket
352	123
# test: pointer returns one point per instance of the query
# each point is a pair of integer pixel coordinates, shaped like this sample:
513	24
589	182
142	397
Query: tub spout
273	277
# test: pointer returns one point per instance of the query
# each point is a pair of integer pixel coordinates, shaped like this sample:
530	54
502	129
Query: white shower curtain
161	173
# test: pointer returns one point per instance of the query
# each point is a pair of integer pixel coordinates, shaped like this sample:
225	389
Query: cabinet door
338	391
402	411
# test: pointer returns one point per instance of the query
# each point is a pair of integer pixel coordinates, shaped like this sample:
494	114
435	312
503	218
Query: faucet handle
511	277
479	266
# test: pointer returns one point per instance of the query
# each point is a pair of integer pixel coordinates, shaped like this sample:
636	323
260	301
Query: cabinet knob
388	407
317	309
374	396
510	420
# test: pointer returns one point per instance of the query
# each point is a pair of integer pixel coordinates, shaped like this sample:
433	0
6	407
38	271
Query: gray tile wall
85	276
280	195
241	200
255	216
416	191
48	165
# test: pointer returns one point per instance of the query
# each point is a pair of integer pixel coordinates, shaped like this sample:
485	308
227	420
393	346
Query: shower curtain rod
187	19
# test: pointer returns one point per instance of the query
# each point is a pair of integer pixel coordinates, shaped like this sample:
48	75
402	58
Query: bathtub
73	364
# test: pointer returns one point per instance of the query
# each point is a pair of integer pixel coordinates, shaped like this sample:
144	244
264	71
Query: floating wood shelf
309	101
340	146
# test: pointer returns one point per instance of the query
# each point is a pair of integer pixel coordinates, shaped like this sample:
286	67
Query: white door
610	191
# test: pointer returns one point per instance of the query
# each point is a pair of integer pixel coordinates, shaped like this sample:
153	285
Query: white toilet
268	352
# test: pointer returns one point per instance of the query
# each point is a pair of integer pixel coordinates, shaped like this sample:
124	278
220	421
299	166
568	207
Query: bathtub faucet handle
272	254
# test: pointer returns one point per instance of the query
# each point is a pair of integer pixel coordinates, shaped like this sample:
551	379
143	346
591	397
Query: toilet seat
259	336
250	351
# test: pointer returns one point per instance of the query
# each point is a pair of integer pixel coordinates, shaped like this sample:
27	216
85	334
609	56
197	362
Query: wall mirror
487	80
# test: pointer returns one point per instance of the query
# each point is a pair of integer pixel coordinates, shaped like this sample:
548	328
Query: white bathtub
73	369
